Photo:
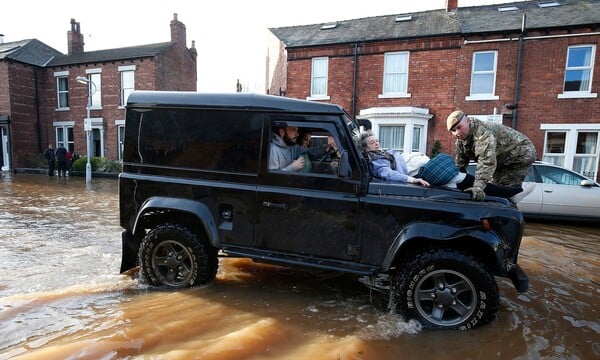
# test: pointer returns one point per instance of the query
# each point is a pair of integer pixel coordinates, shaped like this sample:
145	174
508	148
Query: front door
313	211
4	147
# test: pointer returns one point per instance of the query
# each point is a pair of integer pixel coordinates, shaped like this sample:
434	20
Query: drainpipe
354	80
36	100
518	80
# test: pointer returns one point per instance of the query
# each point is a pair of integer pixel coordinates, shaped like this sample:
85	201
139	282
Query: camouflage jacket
492	146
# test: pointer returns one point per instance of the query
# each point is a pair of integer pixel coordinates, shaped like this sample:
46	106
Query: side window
298	148
127	82
483	75
551	175
585	161
206	140
530	177
392	136
62	90
96	90
555	147
579	68
318	81
395	74
64	137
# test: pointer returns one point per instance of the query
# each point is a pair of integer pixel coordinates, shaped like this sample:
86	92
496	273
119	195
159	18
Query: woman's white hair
364	136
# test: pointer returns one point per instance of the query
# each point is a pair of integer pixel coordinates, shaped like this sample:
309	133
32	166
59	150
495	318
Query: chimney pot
451	5
74	39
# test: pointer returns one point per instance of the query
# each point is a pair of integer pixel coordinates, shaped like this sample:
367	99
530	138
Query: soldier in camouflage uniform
503	155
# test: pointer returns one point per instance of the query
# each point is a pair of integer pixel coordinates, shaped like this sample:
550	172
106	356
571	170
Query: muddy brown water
61	296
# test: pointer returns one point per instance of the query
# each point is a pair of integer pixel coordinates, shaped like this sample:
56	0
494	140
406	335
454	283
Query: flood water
62	297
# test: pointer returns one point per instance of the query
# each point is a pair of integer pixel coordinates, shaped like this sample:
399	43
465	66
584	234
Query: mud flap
130	250
519	278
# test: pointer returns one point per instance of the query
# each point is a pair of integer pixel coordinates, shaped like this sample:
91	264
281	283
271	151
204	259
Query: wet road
61	296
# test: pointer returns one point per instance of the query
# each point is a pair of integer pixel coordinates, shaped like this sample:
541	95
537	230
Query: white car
559	194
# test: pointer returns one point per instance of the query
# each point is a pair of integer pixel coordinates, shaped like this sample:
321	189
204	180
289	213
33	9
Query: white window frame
64	126
319	76
125	89
384	142
59	76
390	73
571	133
95	87
588	161
587	93
556	158
407	117
476	73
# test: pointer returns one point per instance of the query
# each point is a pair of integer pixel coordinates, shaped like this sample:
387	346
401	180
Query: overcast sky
230	35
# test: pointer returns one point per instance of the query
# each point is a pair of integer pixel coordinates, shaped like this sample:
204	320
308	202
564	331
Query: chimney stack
75	39
451	5
178	35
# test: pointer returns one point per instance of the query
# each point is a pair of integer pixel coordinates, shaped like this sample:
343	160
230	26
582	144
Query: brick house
530	65
41	101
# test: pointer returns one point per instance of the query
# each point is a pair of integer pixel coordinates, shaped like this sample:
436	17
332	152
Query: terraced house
44	93
531	65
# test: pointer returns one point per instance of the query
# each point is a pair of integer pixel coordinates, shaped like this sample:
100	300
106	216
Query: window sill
318	97
577	95
482	97
96	107
63	109
394	96
121	107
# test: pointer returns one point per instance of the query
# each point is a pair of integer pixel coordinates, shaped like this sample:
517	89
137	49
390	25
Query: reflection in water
61	296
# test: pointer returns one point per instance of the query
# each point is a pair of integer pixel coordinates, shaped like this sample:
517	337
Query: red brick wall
432	78
22	110
173	69
4	93
111	111
440	76
176	69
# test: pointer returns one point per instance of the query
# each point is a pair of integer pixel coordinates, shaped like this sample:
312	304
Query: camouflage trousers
513	169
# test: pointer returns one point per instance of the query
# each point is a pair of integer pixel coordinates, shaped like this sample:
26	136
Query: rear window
205	140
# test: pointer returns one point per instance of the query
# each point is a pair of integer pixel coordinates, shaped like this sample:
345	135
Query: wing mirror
587	183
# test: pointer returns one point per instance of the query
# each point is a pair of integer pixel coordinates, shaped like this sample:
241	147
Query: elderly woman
386	165
391	166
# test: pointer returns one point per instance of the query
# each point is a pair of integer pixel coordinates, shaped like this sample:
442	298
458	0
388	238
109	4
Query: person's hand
421	182
331	145
298	164
476	193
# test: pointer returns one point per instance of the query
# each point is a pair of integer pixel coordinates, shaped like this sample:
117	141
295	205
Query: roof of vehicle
237	101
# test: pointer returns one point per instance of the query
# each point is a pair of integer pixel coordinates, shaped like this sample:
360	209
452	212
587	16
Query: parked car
559	194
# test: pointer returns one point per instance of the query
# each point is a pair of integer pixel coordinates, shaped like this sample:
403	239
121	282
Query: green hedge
98	164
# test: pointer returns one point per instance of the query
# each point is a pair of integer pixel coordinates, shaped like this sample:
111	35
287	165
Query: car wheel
173	256
444	289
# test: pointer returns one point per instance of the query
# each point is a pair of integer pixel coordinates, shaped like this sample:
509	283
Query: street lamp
87	126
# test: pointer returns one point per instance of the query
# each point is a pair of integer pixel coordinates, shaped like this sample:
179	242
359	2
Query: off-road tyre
444	289
173	256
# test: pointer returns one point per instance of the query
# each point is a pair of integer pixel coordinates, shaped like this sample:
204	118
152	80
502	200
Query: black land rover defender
196	185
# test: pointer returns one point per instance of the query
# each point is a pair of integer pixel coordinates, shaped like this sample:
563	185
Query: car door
563	194
313	213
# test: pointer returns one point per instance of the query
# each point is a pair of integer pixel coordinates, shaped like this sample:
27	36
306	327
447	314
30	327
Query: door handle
273	205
